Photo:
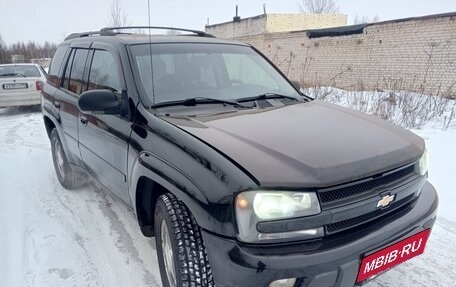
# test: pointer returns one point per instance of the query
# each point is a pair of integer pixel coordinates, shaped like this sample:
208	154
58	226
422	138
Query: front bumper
332	261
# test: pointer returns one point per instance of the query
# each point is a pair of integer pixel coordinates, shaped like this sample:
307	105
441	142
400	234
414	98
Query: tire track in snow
14	138
11	135
124	241
100	201
58	210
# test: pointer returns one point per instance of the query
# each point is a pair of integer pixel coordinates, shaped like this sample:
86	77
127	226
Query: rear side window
56	63
66	76
73	77
77	71
103	72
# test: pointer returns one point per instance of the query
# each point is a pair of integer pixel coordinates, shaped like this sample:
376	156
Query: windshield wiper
267	96
201	100
13	74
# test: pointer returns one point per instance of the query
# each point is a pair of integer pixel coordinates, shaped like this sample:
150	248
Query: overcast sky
51	20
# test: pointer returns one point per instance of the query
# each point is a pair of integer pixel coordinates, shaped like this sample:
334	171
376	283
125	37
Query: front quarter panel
198	175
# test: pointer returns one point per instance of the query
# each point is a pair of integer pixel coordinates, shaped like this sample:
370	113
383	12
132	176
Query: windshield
19	71
227	72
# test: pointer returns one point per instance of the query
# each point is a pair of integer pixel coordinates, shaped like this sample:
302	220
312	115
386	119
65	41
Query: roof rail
197	32
90	33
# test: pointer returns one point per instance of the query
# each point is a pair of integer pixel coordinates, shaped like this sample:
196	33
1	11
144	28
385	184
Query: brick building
417	54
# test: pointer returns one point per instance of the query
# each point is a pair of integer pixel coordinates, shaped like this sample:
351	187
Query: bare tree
365	19
118	16
2	52
318	6
30	50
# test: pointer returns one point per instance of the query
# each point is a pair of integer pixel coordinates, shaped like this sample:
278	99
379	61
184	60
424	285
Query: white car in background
21	84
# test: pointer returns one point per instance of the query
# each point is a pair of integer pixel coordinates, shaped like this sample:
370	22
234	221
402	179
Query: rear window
19	71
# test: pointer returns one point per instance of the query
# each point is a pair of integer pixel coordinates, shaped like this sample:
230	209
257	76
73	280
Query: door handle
57	104
83	120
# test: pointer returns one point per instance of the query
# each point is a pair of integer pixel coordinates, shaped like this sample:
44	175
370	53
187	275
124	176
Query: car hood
314	144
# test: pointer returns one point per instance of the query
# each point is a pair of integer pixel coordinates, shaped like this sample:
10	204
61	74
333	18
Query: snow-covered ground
50	236
437	266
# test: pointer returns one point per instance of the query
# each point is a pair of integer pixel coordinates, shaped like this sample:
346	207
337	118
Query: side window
103	72
56	63
77	70
66	75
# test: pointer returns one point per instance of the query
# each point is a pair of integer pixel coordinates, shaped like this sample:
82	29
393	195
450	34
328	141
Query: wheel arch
147	193
49	125
147	183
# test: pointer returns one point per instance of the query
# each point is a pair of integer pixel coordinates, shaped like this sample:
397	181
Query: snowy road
50	236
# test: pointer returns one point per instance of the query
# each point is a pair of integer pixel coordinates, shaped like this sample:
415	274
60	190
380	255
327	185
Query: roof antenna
236	18
264	9
150	53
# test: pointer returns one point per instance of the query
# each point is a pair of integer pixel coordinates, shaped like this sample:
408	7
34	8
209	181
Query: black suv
242	179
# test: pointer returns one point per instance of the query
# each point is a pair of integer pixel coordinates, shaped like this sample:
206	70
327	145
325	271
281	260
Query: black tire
191	264
68	178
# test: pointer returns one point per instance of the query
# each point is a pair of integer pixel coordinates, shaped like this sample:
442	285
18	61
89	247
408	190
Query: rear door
103	139
53	84
66	98
54	77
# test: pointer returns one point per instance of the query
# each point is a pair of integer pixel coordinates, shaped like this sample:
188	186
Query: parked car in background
21	84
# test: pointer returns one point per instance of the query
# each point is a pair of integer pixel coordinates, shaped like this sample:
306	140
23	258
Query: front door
103	139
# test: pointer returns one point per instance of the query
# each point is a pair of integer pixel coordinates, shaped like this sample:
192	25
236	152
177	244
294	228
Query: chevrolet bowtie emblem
386	200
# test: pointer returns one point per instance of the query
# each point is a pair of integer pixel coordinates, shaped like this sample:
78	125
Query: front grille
328	197
365	218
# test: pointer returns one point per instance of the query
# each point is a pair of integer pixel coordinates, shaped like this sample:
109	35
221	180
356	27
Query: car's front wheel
68	177
182	256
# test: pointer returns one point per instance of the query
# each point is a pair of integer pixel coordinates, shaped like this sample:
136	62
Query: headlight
260	206
423	163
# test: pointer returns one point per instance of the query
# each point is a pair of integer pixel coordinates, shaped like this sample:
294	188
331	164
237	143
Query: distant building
415	54
17	58
275	23
44	62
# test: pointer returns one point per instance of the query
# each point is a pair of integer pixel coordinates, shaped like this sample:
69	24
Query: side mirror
100	102
296	84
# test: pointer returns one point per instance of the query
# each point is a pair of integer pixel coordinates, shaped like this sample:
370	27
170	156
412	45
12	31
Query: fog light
283	283
299	234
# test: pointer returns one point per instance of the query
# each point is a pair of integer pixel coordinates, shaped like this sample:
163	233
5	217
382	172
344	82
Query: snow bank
404	108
